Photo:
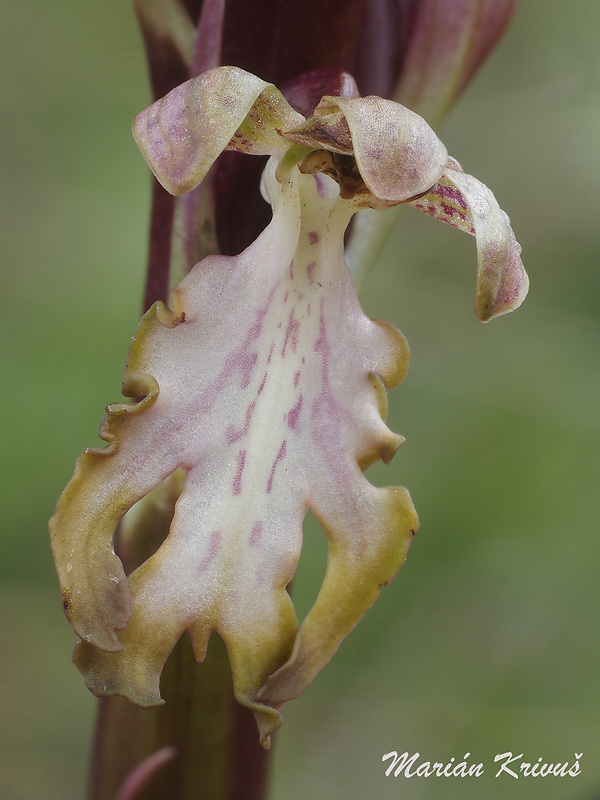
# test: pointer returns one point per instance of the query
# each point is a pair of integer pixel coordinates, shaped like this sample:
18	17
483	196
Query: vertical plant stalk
217	752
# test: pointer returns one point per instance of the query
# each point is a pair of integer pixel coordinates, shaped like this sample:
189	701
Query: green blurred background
488	641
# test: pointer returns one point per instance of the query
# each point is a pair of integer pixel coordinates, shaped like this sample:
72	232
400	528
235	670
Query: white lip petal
266	385
267	388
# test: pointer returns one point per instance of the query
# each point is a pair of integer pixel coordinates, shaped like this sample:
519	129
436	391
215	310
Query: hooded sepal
182	134
397	154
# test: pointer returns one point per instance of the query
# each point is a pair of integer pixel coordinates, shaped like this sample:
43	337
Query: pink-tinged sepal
397	154
465	203
182	134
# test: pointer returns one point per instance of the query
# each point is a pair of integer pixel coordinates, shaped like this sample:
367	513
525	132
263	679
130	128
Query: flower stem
218	755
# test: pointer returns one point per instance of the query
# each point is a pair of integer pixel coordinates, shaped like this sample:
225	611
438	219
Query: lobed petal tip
117	673
381	530
268	718
512	288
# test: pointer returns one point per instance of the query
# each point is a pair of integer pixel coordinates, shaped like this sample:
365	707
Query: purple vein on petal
214	545
255	534
280	455
293	415
234	435
237	481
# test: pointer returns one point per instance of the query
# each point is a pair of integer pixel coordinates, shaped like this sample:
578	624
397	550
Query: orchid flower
266	384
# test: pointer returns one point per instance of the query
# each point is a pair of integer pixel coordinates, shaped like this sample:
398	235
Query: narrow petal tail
466	203
369	532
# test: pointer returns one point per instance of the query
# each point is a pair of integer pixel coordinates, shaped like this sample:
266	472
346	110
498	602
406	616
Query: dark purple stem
161	229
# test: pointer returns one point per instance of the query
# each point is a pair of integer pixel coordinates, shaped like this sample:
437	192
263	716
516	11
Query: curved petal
107	482
182	134
466	203
369	532
398	155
